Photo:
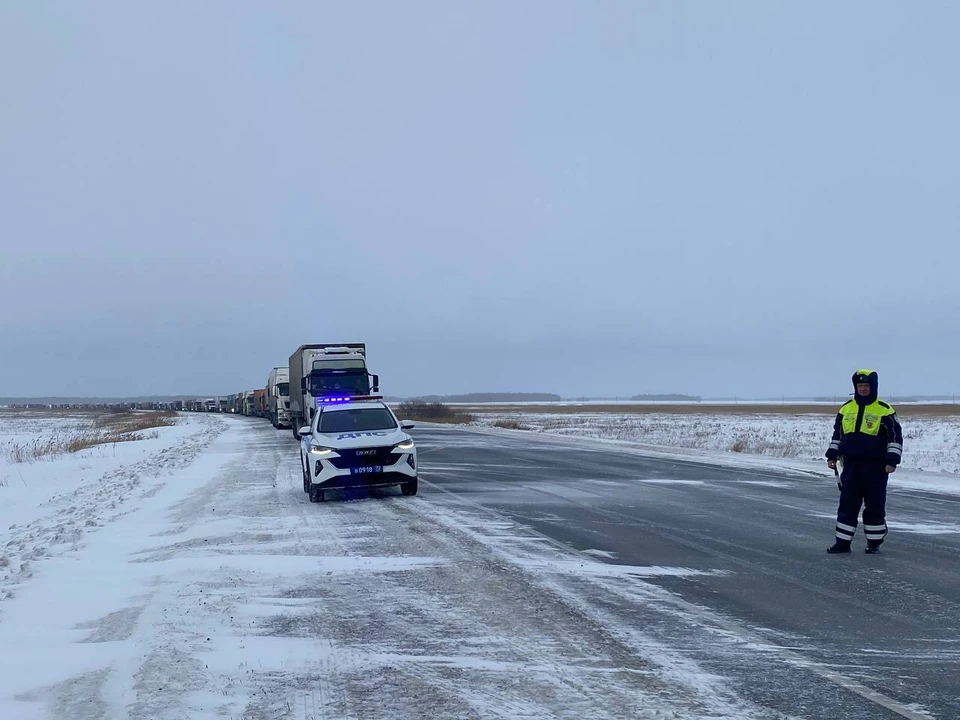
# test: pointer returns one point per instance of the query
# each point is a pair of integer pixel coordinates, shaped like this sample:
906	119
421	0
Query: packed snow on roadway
186	575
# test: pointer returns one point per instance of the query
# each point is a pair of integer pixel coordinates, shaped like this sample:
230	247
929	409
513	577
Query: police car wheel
316	495
410	488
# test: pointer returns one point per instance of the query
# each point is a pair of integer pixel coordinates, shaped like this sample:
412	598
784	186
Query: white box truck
278	397
329	371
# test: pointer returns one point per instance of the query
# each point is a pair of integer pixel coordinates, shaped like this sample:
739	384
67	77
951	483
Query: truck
248	403
278	397
260	402
329	371
210	405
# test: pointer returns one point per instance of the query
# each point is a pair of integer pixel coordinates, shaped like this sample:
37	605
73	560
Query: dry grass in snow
34	438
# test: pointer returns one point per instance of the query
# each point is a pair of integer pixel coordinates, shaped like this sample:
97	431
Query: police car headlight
404	445
319	451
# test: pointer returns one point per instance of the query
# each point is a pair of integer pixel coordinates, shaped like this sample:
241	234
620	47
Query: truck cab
278	397
337	373
325	371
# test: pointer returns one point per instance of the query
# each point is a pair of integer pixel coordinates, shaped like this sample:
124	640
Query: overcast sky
587	198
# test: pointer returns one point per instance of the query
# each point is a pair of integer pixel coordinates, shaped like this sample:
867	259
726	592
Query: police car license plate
366	470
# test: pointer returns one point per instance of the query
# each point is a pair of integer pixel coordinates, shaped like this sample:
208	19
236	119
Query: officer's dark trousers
863	483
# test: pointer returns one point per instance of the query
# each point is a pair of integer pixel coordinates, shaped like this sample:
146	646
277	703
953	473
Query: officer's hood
867	376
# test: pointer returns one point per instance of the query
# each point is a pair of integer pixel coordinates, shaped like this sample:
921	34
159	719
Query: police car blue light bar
346	399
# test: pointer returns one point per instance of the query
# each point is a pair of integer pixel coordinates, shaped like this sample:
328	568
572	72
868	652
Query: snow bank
47	504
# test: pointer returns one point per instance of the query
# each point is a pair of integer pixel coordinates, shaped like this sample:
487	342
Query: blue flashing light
334	400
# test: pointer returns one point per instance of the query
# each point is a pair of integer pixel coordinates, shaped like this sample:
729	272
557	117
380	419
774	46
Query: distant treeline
499	397
894	398
675	397
490	398
469	398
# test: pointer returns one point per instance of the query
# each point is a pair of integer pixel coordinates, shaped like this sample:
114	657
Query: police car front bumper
339	471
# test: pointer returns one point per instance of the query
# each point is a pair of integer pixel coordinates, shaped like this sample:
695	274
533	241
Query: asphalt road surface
790	627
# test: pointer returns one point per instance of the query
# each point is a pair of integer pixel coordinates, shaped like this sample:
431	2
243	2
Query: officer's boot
840	546
873	546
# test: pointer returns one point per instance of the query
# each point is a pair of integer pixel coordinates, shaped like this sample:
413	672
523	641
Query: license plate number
370	469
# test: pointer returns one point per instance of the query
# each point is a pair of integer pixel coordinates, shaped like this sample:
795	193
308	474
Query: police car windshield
356	420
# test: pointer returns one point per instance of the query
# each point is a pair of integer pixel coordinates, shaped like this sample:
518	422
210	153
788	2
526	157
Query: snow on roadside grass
931	444
49	503
24	434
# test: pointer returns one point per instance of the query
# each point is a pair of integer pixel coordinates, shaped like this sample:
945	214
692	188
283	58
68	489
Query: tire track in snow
173	679
466	631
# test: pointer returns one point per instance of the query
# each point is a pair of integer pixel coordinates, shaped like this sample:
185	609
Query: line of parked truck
321	371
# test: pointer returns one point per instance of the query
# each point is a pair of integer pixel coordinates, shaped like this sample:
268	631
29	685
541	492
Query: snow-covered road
192	579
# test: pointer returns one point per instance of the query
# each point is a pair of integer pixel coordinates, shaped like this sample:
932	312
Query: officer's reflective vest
868	422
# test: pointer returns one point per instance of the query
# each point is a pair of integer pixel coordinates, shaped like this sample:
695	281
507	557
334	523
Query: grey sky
576	197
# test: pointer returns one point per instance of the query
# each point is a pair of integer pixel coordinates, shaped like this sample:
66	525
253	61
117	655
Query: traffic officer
868	443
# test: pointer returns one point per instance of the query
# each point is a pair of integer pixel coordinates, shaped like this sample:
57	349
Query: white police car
356	442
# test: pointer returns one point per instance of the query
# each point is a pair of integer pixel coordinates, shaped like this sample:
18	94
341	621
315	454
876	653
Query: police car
356	442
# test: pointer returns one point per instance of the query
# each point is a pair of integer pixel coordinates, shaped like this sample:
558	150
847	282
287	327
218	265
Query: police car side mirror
406	425
304	431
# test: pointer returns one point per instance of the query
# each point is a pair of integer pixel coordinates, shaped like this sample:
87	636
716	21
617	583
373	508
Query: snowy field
931	444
